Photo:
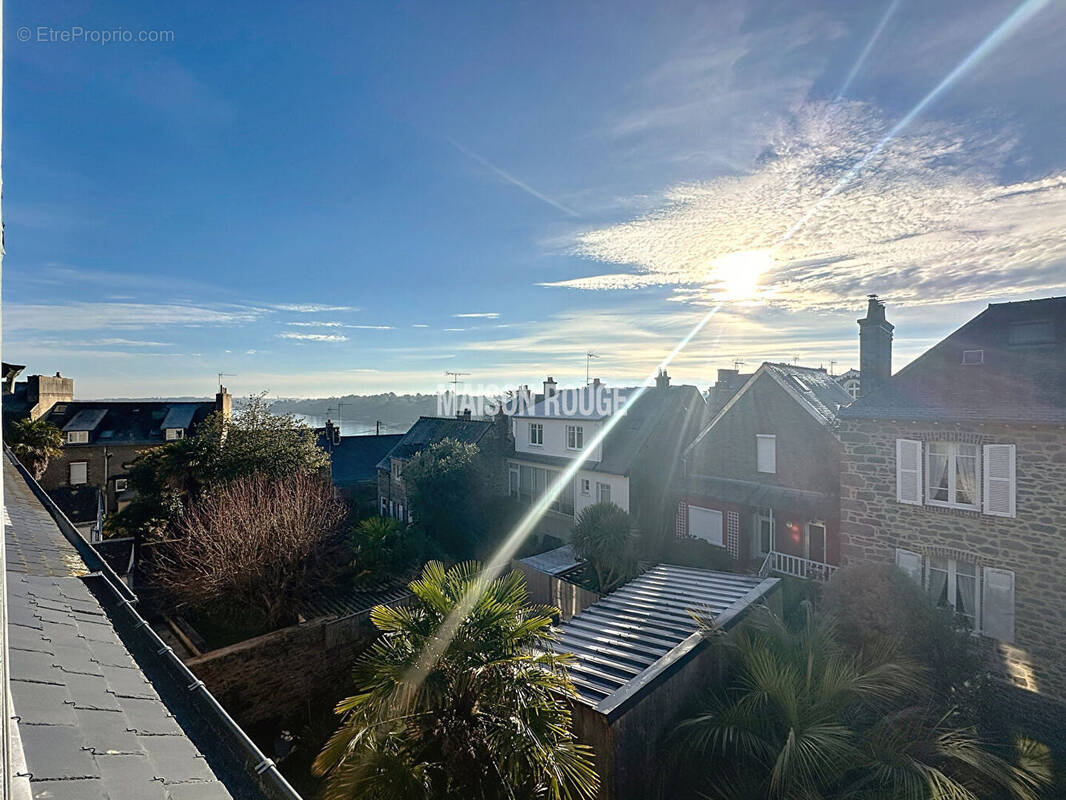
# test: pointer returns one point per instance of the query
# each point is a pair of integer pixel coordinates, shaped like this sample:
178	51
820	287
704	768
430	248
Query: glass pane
566	498
816	546
526	484
765	535
966	475
938	581
965	594
938	476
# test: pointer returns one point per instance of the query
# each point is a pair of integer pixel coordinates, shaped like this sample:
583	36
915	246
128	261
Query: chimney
595	383
333	432
224	402
662	380
549	387
875	348
465	414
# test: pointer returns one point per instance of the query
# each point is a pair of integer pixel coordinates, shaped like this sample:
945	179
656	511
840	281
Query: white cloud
314	337
419	325
925	222
82	316
310	308
478	315
316	324
371	327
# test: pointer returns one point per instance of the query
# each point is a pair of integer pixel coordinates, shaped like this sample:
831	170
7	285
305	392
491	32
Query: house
101	438
35	396
633	464
100	705
639	662
729	382
762	479
492	436
354	460
955	469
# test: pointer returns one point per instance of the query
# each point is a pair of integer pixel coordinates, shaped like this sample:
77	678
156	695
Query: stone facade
1032	544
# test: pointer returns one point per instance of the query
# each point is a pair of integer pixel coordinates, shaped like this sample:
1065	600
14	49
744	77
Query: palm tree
804	719
35	442
603	536
489	719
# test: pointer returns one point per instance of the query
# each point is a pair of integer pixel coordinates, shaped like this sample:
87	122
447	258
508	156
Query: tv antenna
588	358
222	375
795	359
340	409
738	363
455	380
832	368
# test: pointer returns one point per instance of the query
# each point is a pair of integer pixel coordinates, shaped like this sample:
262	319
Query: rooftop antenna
738	363
588	358
795	359
340	409
455	380
832	368
222	375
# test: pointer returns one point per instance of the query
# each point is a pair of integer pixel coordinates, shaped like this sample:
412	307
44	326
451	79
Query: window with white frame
706	524
603	492
79	472
175	433
533	482
983	596
575	437
766	452
951	475
77	437
586	487
764	530
536	433
121	484
397	469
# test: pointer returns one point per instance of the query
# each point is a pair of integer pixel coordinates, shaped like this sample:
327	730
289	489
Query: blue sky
356	199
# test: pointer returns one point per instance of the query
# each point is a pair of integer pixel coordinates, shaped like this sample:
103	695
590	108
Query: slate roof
643	416
1019	374
91	724
429	430
355	458
624	639
127	421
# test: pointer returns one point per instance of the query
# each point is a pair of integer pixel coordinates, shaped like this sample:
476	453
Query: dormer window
971	357
173	434
536	433
575	437
77	437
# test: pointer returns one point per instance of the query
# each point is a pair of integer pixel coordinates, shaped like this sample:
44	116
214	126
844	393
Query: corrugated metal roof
628	631
554	562
86	420
342	602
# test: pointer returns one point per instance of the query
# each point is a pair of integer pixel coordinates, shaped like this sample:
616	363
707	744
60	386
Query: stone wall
1032	544
271	677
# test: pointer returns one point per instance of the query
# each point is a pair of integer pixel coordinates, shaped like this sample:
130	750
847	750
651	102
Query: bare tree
255	545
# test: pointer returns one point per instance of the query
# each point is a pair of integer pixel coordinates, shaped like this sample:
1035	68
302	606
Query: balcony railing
797	567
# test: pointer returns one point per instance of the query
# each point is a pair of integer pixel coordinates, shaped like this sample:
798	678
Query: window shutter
909	471
999	480
997	613
910	562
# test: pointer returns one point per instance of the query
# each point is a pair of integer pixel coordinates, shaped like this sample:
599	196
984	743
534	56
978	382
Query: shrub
603	536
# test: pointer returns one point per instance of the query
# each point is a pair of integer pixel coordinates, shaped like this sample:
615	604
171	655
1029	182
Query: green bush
604	536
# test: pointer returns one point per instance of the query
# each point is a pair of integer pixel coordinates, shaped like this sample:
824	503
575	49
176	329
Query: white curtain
966	476
938	580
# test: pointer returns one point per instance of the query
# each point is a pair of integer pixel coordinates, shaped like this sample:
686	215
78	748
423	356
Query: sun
738	273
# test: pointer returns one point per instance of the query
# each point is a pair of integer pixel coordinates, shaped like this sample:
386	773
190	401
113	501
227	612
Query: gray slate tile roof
91	724
620	639
429	430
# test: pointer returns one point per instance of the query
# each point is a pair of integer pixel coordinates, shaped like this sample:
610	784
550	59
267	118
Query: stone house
492	436
762	479
100	441
35	396
955	469
633	464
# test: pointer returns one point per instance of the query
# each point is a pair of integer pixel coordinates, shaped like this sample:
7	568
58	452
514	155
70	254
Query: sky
322	200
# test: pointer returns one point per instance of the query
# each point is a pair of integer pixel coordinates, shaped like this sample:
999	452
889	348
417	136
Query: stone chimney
875	348
224	402
44	391
662	380
549	387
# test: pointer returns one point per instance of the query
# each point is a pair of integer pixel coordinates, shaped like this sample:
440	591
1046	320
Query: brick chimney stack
875	348
662	380
549	387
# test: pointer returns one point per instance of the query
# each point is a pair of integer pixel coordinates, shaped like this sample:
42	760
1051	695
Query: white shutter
909	471
766	453
997	611
706	524
999	480
910	562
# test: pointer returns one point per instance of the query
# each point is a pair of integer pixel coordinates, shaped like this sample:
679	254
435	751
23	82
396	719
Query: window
121	484
997	610
1035	332
814	542
79	472
973	357
951	475
603	492
952	583
706	524
764	530
397	469
586	487
766	453
532	482
575	437
910	562
852	388
384	507
512	480
175	433
536	433
77	437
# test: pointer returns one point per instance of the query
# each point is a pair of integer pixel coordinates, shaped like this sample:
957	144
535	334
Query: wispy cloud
479	315
511	179
925	221
419	325
316	324
310	308
84	316
371	327
314	337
